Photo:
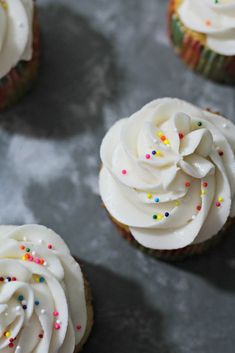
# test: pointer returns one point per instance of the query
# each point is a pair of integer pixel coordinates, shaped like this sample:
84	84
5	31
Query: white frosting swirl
169	173
16	18
42	294
215	19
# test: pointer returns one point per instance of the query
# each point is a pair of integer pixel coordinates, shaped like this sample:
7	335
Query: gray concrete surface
102	60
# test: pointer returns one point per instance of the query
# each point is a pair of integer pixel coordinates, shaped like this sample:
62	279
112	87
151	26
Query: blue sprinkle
36	302
20	298
156	199
42	280
167	214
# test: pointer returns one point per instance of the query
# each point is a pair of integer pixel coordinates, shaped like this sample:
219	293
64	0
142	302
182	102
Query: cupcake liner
20	79
192	49
178	254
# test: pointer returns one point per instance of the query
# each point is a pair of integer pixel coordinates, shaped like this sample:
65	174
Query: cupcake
19	49
203	34
168	177
45	304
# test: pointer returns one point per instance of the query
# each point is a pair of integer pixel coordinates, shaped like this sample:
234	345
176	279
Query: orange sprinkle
163	138
208	23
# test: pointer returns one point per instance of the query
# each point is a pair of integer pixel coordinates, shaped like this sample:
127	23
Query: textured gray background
102	60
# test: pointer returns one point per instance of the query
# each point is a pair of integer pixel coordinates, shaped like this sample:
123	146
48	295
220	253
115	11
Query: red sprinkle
205	184
57	326
40	336
221	153
187	184
217	204
11	345
78	327
199	207
13	279
181	135
49	246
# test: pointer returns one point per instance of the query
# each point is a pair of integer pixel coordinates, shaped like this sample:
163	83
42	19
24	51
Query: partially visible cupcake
168	177
19	49
203	34
45	302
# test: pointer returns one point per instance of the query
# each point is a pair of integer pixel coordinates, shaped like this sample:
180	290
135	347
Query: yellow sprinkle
160	216
158	153
23	258
8	334
203	193
160	134
37	279
149	196
177	203
4	5
221	199
166	142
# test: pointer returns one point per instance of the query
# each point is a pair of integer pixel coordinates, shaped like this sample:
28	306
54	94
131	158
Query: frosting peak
42	294
168	173
215	19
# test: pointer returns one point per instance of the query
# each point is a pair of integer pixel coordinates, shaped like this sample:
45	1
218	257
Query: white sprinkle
225	125
58	321
24	302
45	263
18	308
24	239
18	349
193	217
40	241
33	253
43	311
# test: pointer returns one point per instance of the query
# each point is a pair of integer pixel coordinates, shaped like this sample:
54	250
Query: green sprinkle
199	123
27	249
154	216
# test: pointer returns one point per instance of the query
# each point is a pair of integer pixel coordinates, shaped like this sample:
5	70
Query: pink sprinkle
37	260
31	258
218	204
57	326
78	327
147	156
55	313
124	171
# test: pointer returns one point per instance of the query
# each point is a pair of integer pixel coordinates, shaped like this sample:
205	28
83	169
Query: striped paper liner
20	79
192	49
